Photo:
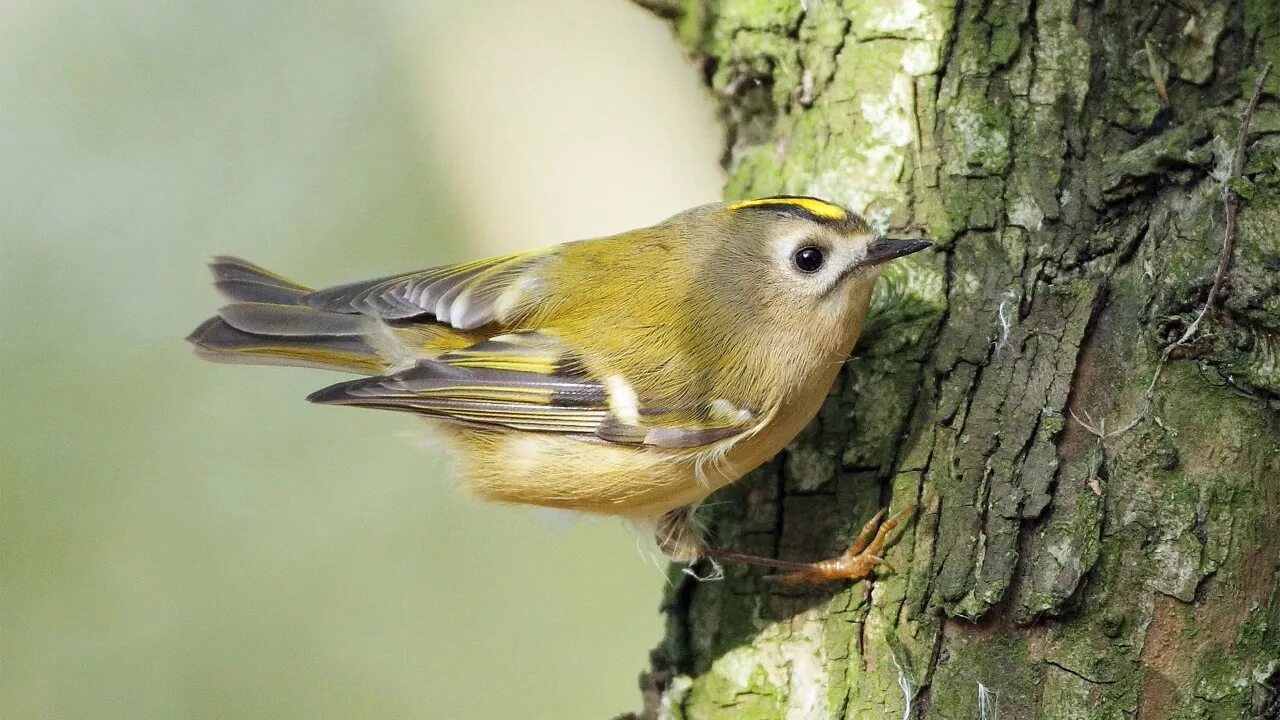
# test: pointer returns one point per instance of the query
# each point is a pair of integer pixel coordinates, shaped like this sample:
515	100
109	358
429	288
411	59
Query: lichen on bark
1077	204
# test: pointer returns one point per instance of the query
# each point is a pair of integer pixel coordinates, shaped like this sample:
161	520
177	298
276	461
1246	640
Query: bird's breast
787	422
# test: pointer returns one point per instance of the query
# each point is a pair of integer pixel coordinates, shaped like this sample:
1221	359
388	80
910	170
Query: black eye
808	259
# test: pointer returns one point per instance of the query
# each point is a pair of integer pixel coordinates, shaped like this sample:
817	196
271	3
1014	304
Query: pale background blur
188	540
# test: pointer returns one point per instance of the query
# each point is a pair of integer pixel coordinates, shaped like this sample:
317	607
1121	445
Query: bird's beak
882	250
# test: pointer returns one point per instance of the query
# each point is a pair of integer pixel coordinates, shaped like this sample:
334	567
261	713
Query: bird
630	375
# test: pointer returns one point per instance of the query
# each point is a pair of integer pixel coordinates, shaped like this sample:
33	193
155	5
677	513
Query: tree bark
1085	547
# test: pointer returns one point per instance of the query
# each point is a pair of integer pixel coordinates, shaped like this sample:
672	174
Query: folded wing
464	296
530	381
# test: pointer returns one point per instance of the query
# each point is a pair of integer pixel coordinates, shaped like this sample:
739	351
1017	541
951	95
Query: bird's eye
808	259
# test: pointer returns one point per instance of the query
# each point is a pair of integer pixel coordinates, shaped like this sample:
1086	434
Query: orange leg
855	564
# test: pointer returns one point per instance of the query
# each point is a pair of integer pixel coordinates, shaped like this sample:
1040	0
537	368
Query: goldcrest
630	375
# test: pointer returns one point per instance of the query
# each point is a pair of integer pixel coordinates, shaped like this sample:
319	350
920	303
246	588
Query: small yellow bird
630	375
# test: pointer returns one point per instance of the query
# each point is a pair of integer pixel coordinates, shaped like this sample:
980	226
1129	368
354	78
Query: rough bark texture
1050	573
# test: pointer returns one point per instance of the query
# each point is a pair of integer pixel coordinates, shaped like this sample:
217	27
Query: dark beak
882	250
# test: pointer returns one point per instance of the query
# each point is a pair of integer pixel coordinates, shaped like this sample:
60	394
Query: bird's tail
266	323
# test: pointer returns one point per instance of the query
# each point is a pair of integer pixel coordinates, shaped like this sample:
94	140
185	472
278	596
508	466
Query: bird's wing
531	381
465	296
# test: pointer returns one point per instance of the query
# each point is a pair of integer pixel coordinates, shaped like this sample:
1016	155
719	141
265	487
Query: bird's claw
858	562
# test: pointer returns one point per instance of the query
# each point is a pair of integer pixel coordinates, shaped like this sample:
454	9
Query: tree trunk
1084	547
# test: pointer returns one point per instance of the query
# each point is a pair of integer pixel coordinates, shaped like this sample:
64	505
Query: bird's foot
862	557
857	563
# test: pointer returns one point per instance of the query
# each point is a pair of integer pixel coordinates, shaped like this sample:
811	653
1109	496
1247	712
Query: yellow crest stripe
813	206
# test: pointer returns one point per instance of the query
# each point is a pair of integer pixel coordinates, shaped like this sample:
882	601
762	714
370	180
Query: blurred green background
188	540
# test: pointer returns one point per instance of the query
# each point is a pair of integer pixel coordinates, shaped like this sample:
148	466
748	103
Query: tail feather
242	281
266	325
218	341
292	320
